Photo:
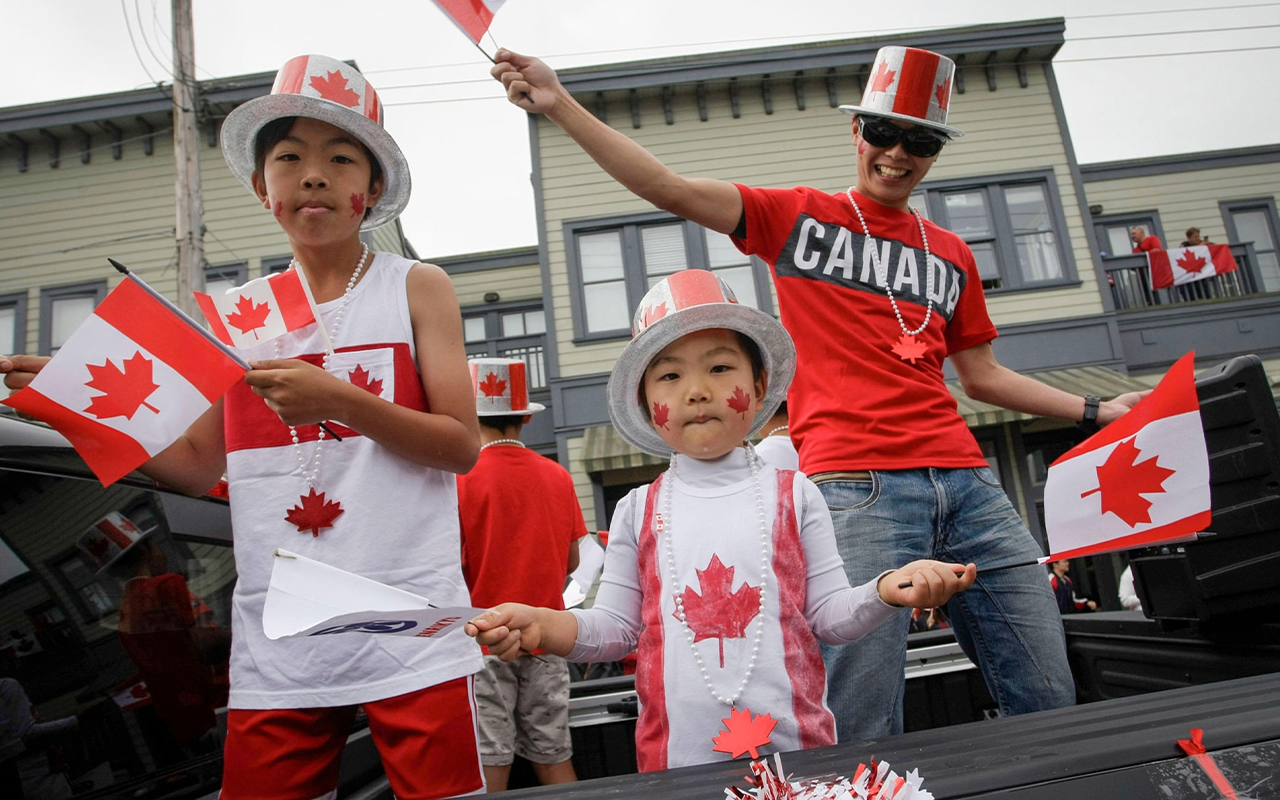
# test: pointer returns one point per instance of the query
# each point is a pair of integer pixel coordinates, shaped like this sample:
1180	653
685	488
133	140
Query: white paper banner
308	598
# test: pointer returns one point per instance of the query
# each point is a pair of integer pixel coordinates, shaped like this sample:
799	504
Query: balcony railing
1129	281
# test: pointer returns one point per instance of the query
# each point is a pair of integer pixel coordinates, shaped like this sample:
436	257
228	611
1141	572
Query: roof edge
1180	162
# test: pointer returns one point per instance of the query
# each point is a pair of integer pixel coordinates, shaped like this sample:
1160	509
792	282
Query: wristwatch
1089	424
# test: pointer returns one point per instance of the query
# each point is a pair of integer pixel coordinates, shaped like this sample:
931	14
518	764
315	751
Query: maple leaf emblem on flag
314	513
1122	483
743	733
249	316
492	387
740	402
335	87
98	548
1191	262
719	613
943	93
909	349
360	377
883	78
125	391
652	314
661	413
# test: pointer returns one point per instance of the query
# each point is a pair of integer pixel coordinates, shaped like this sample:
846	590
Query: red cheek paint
357	204
862	147
661	411
277	208
740	402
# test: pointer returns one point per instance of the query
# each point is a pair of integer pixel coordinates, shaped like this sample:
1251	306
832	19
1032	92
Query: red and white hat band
108	538
678	291
329	79
910	82
501	385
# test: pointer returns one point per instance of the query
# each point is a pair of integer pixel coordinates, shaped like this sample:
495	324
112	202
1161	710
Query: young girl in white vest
382	502
723	573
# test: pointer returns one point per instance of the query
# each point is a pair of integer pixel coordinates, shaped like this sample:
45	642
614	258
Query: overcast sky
1208	83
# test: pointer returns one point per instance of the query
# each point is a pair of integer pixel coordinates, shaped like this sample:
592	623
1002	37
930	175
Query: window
217	280
508	330
1014	225
1112	231
13	323
62	309
612	263
270	266
1255	221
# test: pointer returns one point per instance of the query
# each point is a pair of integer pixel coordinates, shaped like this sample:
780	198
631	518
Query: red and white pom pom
874	782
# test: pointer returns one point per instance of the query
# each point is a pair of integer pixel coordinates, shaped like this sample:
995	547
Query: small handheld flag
260	310
472	17
130	380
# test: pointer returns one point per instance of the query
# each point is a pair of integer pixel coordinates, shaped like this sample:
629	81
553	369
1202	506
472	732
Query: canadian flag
260	310
471	16
130	380
1187	264
1141	480
132	694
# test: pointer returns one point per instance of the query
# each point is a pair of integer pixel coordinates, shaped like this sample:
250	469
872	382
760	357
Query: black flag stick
985	570
492	60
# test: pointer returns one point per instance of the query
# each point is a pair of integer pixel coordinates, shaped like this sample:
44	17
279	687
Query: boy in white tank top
723	574
382	501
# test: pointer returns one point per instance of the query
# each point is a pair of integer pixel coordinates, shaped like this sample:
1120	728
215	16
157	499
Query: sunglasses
882	133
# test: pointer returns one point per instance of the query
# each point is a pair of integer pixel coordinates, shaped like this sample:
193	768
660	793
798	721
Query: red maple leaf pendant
314	513
742	733
909	348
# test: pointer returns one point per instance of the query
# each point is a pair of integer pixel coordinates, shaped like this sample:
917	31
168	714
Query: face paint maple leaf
360	377
652	314
492	387
124	391
1122	483
943	93
743	733
1191	262
718	613
908	348
249	316
883	78
357	204
740	402
335	87
661	413
314	513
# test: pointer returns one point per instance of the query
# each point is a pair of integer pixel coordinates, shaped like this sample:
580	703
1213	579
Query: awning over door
1102	381
603	450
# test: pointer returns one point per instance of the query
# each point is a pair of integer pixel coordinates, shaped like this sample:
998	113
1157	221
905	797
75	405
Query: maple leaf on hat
1123	482
883	78
1191	262
744	733
908	348
661	413
334	86
492	387
943	93
249	316
652	314
719	613
124	391
314	513
360	377
740	402
98	548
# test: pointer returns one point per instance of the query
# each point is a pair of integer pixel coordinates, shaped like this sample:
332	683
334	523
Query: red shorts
427	740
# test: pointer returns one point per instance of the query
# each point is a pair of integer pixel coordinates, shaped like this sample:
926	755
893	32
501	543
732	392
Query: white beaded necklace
310	474
502	441
882	272
663	525
772	431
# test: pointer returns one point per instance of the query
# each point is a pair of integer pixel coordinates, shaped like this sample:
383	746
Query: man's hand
1111	410
19	371
507	630
530	83
301	393
932	583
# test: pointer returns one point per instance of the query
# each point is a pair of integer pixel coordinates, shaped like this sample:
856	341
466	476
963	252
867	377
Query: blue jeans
1007	622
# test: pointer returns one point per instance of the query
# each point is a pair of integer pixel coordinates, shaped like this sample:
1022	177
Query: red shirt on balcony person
1142	243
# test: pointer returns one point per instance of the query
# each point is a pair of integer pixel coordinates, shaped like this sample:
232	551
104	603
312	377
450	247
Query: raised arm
534	87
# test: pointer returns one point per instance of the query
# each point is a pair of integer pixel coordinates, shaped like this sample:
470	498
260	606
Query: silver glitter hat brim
533	408
240	131
853	111
632	420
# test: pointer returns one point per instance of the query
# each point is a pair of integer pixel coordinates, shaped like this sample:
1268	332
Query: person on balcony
1193	238
1142	243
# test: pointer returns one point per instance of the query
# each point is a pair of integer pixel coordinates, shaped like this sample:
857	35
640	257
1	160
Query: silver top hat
910	85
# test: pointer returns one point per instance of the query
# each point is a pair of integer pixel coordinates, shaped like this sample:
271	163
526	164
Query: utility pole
186	160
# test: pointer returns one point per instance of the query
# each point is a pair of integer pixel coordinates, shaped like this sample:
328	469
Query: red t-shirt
1148	244
855	403
519	514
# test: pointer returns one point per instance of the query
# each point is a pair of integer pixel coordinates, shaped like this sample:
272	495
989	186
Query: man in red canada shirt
1142	243
521	523
877	298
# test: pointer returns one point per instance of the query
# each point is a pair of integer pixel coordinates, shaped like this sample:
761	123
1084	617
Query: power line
1168	55
142	33
134	44
1171	33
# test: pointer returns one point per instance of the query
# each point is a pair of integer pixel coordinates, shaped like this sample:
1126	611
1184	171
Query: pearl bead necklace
772	431
502	441
882	272
310	473
664	526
